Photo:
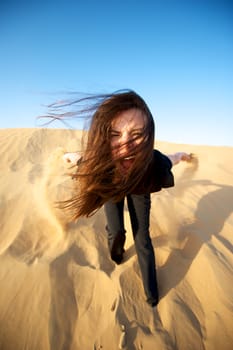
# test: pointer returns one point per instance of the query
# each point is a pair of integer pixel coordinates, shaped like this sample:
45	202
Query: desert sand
59	288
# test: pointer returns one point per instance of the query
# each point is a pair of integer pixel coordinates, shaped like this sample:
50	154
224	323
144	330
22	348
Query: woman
119	162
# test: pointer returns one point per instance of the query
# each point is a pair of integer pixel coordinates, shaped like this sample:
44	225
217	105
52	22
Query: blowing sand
59	289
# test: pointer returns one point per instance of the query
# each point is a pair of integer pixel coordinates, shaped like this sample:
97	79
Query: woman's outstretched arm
176	158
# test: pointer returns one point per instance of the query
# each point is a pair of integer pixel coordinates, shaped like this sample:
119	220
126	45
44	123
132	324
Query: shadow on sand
211	213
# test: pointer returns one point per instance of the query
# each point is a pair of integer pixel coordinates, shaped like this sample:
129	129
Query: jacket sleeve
162	176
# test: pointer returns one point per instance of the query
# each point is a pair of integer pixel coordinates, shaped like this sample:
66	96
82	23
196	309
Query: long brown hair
97	177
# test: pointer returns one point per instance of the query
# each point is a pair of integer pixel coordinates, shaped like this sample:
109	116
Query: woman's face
126	133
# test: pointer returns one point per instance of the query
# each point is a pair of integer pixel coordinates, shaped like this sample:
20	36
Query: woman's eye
114	134
137	134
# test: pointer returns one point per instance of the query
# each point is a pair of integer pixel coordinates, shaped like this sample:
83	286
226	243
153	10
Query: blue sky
178	55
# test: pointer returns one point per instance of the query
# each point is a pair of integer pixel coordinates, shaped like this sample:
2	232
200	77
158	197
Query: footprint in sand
35	173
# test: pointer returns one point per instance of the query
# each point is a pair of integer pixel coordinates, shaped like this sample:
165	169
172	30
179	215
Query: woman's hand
176	158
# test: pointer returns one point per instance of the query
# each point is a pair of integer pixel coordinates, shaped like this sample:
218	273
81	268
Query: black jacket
157	176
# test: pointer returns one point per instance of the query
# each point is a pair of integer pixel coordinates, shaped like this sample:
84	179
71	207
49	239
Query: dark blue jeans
139	211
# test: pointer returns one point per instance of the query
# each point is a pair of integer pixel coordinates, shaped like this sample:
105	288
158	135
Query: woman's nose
126	143
124	139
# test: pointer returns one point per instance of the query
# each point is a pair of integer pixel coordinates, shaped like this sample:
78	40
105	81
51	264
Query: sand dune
59	289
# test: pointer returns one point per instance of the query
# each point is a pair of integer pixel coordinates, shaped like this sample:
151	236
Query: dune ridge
59	289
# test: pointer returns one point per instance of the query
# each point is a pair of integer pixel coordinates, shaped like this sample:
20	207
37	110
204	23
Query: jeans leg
139	210
114	213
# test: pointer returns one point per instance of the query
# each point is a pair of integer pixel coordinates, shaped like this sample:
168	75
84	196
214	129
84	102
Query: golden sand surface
59	288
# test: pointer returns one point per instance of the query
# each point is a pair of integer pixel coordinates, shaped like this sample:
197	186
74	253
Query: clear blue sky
178	55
